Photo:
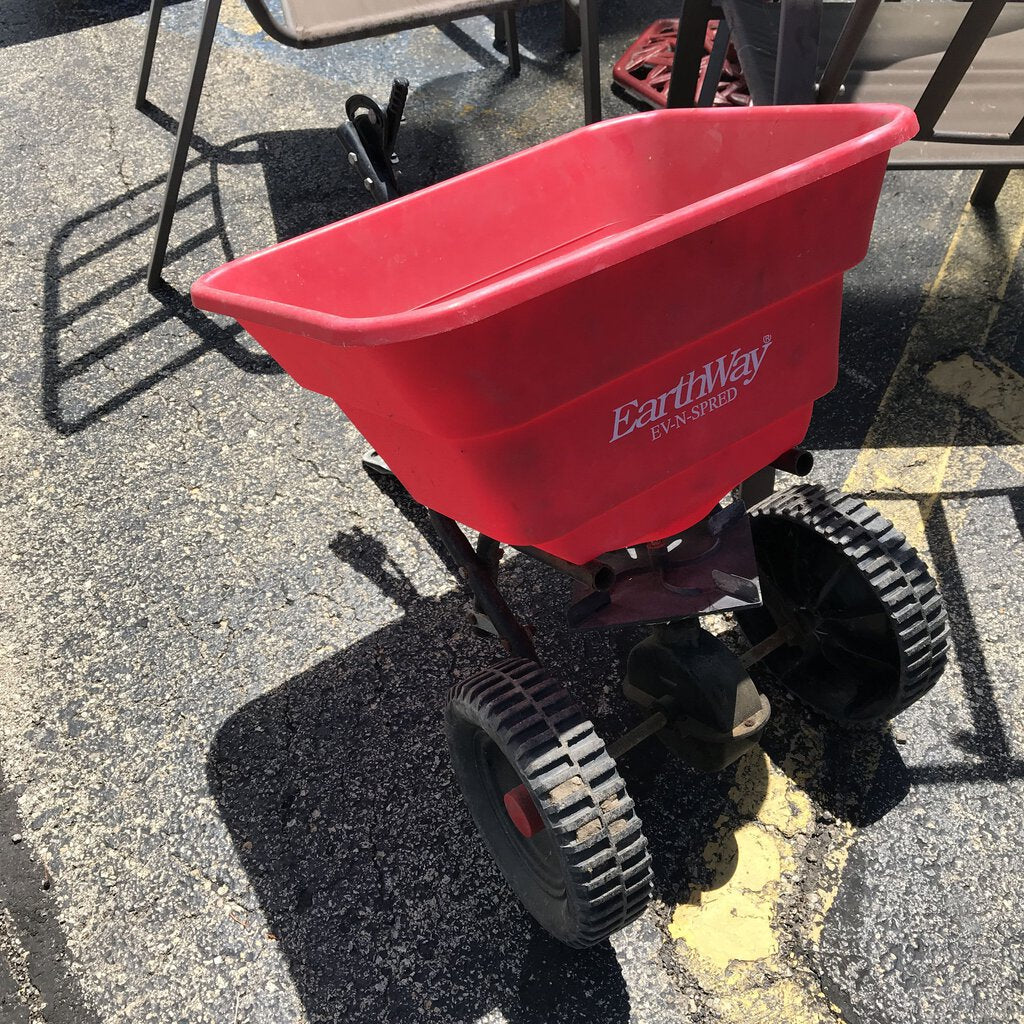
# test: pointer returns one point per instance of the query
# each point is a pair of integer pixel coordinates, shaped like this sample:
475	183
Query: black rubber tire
588	873
874	582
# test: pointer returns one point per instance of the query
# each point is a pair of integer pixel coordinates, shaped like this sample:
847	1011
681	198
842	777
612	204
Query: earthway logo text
697	393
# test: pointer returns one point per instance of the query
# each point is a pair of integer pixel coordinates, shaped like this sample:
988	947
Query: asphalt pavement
224	648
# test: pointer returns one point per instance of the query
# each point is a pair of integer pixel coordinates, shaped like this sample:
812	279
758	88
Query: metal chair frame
796	78
580	33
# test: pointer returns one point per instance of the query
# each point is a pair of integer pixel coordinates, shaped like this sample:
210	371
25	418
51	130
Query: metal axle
649	727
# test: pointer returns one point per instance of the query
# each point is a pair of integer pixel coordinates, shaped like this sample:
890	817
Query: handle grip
393	115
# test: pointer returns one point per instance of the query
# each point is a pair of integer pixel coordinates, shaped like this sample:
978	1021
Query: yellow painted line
729	933
910	471
921	474
957	302
995	389
732	918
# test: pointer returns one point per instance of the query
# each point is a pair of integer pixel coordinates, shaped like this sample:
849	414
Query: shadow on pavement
100	325
42	19
338	795
43	977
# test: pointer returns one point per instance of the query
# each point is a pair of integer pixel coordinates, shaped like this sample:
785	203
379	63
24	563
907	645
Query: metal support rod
796	64
182	142
596	575
996	138
570	27
488	550
512	41
963	48
152	27
479	578
839	63
590	43
992	159
765	647
647	728
693	26
992	179
393	114
990	183
713	71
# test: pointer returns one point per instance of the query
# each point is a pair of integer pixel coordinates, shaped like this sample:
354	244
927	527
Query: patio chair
960	65
317	23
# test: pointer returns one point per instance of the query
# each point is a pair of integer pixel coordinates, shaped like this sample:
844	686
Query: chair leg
590	44
570	27
797	57
989	185
713	70
182	142
512	40
152	26
693	27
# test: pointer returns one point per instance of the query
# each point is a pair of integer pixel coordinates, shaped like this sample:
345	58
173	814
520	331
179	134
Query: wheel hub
523	812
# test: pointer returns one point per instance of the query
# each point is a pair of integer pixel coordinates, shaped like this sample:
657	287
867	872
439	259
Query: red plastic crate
645	69
546	348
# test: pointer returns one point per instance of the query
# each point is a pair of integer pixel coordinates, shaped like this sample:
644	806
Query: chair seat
902	48
325	22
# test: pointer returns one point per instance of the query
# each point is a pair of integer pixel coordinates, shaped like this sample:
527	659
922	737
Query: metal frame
186	124
705	743
992	179
686	553
963	48
508	32
979	19
716	61
841	59
796	65
796	62
582	28
479	570
694	16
